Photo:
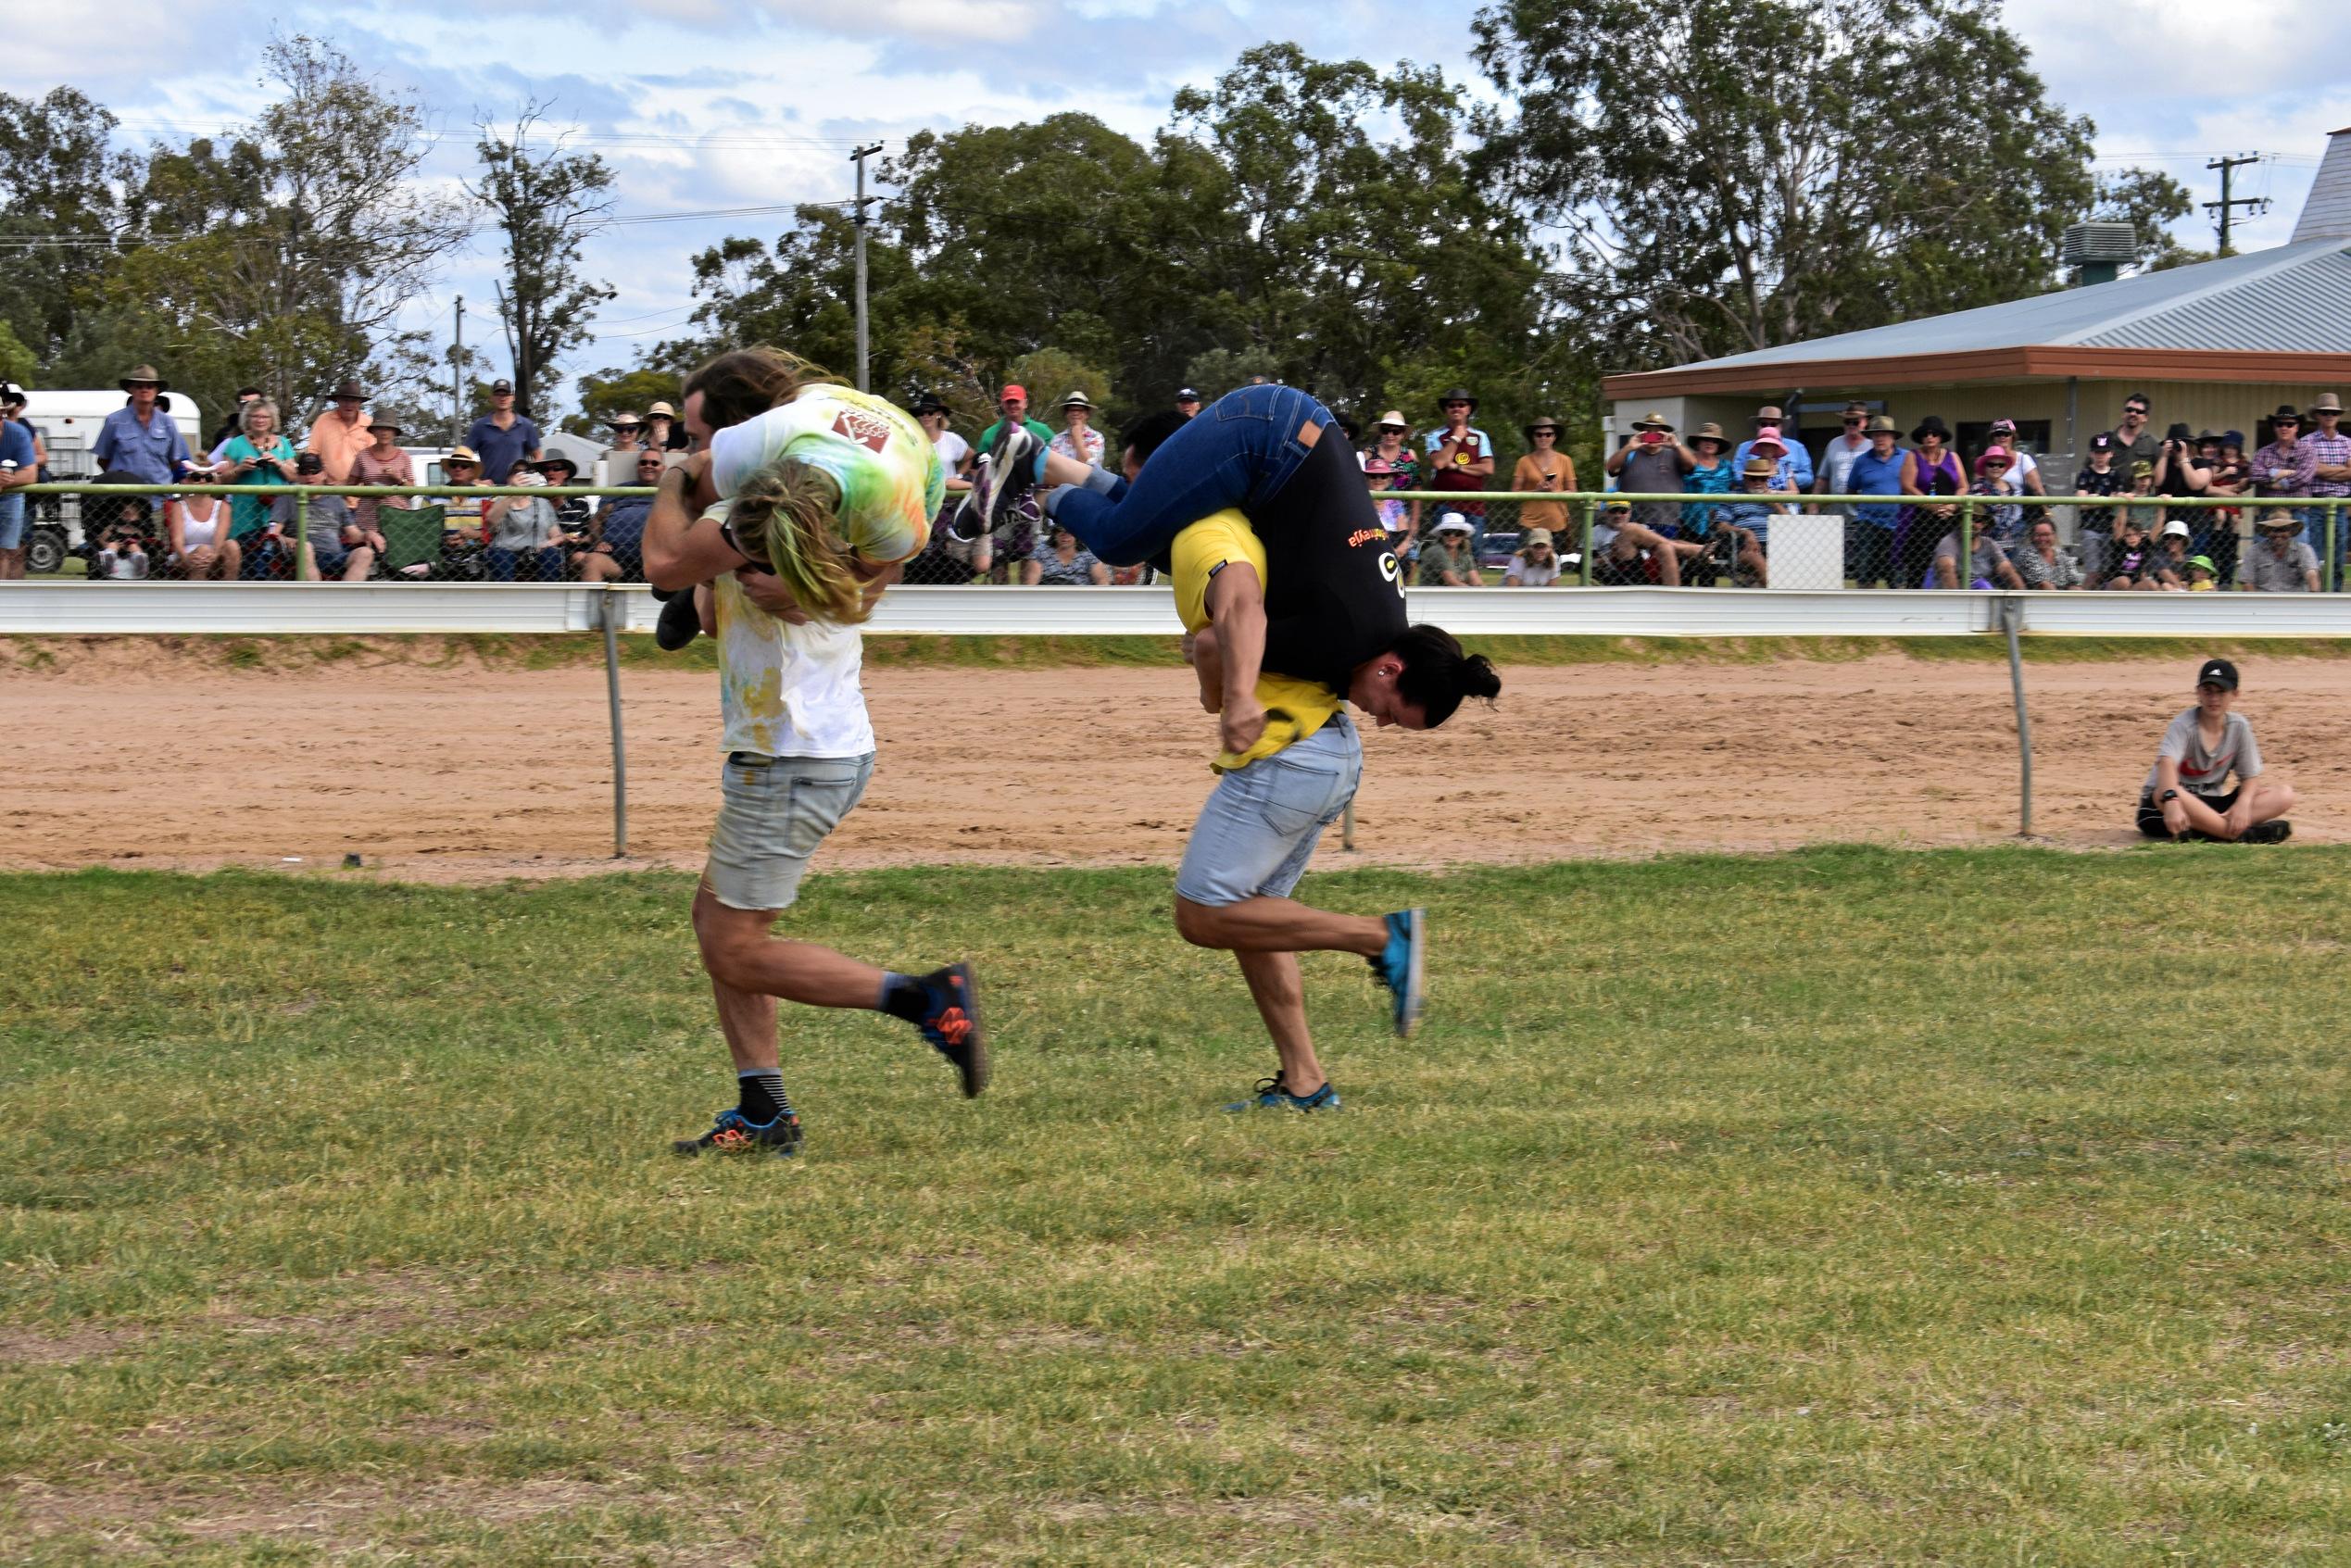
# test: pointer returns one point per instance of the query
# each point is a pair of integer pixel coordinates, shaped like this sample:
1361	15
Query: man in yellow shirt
1323	596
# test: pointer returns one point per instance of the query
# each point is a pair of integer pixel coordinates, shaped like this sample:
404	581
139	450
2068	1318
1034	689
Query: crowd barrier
1823	544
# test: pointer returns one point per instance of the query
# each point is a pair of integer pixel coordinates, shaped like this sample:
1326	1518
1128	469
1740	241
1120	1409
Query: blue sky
716	104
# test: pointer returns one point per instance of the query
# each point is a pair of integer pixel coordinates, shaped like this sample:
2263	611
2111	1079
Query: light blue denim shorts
1261	824
774	813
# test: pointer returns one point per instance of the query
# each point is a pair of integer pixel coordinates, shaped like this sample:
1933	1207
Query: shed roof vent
2089	243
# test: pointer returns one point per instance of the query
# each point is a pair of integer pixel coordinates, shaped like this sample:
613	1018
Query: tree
1051	374
1219	371
282	256
545	205
65	195
1833	165
18	362
607	393
2150	201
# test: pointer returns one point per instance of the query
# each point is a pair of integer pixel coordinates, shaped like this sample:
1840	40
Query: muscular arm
1235	604
681	546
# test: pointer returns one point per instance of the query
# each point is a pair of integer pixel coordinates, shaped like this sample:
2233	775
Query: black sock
903	997
762	1095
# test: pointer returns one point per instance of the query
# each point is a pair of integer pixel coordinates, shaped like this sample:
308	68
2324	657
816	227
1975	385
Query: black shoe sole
680	624
973	1068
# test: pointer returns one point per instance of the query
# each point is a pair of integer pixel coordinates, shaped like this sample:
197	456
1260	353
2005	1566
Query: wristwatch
2169	795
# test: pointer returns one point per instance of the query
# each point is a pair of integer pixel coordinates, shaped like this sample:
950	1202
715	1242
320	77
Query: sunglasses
1448	406
2134	408
1543	430
1855	420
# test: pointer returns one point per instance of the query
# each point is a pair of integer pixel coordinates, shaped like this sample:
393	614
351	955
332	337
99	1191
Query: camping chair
411	537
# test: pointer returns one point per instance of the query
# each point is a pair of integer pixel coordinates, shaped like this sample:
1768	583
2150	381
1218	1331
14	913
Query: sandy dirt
465	774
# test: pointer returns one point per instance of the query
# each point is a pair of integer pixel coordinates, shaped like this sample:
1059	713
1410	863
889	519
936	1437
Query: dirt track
466	774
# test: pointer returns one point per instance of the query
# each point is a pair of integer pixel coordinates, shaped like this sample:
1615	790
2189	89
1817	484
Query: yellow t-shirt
1294	708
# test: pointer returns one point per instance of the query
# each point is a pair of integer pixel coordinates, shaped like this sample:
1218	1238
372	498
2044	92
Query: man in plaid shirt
2331	449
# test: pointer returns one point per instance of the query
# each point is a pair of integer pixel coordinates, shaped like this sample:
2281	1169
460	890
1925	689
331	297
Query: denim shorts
1261	824
12	511
774	812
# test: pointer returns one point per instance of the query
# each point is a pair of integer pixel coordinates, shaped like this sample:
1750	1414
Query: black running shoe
680	623
1005	474
779	1140
951	1023
2266	833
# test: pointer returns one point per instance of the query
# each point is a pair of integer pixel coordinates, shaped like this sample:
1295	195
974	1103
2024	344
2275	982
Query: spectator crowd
1906	532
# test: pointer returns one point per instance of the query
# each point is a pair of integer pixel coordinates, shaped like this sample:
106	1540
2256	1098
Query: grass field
1846	1207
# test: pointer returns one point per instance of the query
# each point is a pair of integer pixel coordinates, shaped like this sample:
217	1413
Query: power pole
2225	206
457	375
858	157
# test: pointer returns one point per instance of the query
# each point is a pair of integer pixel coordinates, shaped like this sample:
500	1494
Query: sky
714	105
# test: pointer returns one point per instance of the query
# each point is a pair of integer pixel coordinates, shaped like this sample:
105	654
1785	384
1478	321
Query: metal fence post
1963	573
609	613
2011	618
2333	578
1588	507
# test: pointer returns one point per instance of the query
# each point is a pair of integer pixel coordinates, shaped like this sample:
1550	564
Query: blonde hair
743	384
786	510
258	405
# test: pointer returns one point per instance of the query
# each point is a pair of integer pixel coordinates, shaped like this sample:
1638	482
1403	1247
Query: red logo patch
866	430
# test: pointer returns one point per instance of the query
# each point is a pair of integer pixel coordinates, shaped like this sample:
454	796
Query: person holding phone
1547	469
1652	463
258	454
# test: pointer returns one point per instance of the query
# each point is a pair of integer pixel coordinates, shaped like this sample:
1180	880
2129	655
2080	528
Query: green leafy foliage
544	203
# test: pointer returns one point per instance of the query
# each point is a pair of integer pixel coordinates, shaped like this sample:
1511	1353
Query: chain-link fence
1759	539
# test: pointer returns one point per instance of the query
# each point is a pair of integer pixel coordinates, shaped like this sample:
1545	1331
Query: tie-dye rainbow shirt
892	482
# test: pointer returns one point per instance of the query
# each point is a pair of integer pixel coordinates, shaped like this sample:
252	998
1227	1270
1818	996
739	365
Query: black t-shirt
1335	591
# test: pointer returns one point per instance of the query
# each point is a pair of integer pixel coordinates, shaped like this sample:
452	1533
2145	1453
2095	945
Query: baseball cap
1015	390
1187	394
1535	536
2218	672
500	386
309	462
2205	562
2175	528
10	392
2102	441
1454	522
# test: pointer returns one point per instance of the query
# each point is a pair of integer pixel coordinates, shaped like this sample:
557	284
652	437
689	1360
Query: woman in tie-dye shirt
828	487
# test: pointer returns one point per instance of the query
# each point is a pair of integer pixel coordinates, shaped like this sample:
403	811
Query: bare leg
356	570
738	950
2260	802
1278	925
749	1021
1280	995
12	566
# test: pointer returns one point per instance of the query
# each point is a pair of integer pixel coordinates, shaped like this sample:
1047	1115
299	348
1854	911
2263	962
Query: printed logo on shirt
1365	537
1392	569
867	429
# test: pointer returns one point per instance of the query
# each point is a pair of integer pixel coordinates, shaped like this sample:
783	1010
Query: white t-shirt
1524	573
952	449
787	690
891	479
1836	462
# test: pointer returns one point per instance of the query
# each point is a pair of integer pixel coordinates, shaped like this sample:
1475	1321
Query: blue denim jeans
1239	451
539	566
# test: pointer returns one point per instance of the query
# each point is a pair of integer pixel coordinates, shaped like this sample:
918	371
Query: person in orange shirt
341	433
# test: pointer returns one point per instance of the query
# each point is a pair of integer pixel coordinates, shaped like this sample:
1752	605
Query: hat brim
126	384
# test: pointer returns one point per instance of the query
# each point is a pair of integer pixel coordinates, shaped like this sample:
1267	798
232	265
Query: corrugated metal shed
2295	299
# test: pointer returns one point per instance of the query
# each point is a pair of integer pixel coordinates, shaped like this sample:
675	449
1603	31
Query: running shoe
950	1023
1274	1094
680	623
779	1140
1401	966
1005	474
2266	833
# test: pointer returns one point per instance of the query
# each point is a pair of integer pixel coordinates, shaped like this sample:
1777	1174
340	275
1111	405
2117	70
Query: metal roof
2327	210
2294	299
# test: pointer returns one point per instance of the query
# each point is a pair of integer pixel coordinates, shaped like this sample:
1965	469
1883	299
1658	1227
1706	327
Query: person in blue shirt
1794	462
141	437
502	437
1877	471
20	465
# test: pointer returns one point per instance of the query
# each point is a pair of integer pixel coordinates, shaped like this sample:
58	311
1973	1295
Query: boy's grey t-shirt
2204	771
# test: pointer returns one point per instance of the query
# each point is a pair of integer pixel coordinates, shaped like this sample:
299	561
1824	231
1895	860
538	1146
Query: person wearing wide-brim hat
2286	466
142	437
2330	449
1547	469
382	462
1652	463
1077	437
340	434
1930	469
1461	456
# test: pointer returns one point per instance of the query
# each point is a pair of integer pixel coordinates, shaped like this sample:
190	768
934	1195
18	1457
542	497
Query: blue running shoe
950	1021
1274	1094
778	1139
1401	966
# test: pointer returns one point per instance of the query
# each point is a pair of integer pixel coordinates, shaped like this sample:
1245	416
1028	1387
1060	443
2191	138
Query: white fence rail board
362	608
